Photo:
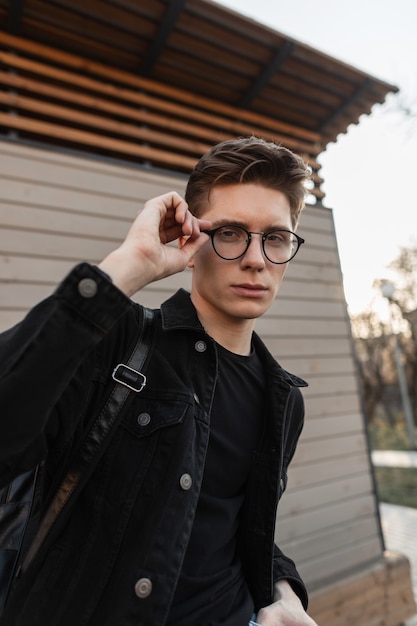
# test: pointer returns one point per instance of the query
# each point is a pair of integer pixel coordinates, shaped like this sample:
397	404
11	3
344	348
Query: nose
254	256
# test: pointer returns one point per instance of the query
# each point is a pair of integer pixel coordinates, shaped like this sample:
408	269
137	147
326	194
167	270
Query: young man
176	525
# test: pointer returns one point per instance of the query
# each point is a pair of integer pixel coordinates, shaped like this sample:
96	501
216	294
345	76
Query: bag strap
128	378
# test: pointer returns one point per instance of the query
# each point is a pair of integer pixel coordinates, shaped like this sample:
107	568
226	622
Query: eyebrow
245	225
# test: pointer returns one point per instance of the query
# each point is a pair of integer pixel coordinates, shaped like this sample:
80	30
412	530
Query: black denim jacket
118	558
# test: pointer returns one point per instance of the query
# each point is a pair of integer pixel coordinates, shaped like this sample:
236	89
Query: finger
196	226
193	244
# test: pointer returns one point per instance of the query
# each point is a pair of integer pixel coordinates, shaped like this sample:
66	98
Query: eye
279	238
231	234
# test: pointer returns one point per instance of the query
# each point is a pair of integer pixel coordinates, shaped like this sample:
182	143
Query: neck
233	334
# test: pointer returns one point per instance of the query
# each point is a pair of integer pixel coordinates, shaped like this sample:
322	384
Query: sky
370	171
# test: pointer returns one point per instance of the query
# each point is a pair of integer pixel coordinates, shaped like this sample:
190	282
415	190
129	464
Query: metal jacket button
144	419
87	287
143	588
200	346
186	481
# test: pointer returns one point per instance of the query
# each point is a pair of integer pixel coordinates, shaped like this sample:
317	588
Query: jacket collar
178	312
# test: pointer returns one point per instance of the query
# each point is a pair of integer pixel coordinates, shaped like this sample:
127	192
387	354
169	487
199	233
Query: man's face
242	289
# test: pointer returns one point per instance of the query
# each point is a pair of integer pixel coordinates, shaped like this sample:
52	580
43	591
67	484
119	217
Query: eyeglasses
231	242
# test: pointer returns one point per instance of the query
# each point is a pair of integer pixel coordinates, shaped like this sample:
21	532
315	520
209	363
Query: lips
250	290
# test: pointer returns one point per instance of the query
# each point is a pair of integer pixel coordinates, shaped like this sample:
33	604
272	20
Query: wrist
284	591
119	271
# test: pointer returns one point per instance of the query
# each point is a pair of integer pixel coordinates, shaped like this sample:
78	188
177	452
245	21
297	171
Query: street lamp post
388	290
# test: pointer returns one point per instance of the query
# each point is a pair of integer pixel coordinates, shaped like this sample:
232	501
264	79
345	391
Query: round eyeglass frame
298	240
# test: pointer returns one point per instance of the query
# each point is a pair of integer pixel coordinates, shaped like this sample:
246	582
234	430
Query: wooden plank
57	197
75	136
83	65
317	273
74	174
223	60
332	540
328	328
22	299
341	384
340	403
324	291
330	426
322	365
298	501
106	124
289	528
309	451
317	218
67	39
105	18
307	347
21	269
175	114
167	122
60	246
303	475
50	271
317	239
319	256
59	222
273	92
215	32
303	307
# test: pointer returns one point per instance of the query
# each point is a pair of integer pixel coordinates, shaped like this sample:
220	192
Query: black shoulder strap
128	378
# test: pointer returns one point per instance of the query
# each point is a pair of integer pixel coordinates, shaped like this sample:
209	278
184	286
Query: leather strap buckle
129	377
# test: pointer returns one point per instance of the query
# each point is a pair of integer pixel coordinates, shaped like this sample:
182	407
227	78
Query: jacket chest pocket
146	416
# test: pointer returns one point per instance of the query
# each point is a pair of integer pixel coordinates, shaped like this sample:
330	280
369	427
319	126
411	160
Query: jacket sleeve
284	567
41	355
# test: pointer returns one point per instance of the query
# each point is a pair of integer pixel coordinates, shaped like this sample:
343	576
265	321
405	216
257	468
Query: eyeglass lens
231	242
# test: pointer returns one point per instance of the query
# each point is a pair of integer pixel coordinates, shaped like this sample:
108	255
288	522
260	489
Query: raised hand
144	255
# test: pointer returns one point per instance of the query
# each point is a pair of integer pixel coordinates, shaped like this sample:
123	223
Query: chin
250	311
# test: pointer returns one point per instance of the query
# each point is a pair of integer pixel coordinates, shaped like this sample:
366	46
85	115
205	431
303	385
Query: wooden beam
366	86
270	70
15	16
170	18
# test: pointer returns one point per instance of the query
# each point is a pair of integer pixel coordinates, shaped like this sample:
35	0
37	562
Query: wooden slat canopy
160	81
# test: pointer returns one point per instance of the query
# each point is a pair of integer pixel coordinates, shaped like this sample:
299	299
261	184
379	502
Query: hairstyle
249	160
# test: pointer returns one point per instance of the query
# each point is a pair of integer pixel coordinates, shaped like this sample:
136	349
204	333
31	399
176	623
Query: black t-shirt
211	589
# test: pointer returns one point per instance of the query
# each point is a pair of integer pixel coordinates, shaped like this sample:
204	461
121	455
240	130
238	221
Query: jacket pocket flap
147	416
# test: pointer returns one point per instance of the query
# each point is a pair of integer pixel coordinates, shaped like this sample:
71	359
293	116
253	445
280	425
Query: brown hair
249	160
